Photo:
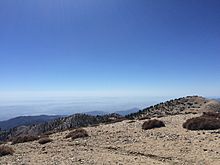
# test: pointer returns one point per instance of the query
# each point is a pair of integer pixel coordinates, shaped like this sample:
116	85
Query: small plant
150	124
45	140
5	150
23	139
78	133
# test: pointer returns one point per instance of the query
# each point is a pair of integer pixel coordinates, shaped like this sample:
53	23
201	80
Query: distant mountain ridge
31	120
64	123
26	120
95	113
129	111
122	113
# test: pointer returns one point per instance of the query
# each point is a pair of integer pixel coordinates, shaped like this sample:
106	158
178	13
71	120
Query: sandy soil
124	143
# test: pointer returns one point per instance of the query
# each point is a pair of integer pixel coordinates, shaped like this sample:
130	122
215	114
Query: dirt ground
124	143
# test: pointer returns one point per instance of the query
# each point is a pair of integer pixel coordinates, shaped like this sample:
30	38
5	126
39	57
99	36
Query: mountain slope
124	143
31	120
122	113
189	104
64	123
212	105
182	105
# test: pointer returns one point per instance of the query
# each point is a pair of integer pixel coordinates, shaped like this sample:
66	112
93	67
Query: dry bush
78	133
202	123
23	139
153	124
45	140
5	150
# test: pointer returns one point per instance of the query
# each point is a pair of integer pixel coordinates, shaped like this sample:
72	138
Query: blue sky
117	47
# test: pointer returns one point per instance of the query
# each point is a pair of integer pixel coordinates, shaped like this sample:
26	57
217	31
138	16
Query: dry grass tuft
150	124
5	150
78	133
45	140
23	139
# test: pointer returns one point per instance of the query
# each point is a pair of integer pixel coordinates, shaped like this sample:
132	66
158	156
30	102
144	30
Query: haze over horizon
109	48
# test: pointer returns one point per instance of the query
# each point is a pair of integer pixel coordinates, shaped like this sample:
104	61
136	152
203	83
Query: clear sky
109	47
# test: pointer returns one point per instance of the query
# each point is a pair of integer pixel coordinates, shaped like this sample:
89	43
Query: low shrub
23	139
150	124
5	150
208	121
45	140
78	133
